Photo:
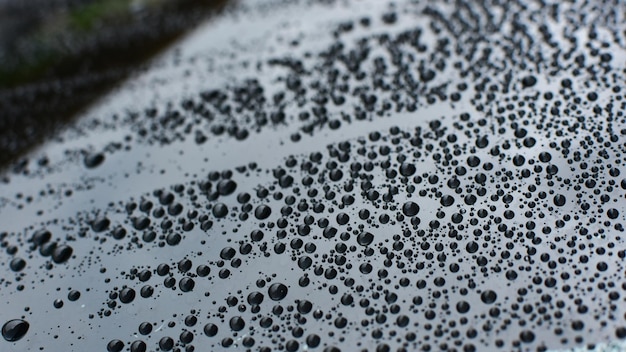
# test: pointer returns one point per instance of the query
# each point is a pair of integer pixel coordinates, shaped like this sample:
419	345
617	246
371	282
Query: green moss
43	50
87	17
27	68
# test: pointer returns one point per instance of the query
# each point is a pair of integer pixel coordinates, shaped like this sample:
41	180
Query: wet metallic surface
520	250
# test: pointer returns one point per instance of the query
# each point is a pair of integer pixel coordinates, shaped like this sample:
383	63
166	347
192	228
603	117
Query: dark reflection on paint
58	57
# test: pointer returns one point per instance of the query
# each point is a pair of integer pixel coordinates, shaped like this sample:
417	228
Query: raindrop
262	212
365	238
462	307
210	329
17	264
236	323
61	254
410	208
15	329
42	236
527	336
226	187
73	295
407	169
559	200
100	224
529	81
138	346
220	210
145	328
115	346
186	284
488	296
93	160
127	295
277	291
166	343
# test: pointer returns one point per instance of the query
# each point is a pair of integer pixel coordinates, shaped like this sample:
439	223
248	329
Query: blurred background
57	56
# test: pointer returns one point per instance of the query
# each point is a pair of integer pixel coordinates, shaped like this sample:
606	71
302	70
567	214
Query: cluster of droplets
406	230
497	227
402	72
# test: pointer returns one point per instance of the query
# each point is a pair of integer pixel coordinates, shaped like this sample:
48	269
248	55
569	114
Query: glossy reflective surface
337	176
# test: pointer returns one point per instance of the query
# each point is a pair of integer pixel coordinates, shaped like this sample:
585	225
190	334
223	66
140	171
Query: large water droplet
410	208
277	291
15	329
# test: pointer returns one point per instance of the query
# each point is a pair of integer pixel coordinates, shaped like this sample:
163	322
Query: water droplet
529	81
186	284
62	253
127	295
262	212
488	296
365	238
220	210
73	295
166	343
527	336
559	200
462	307
17	264
115	346
410	208
237	323
210	329
145	328
226	187
93	160
15	329
277	291
138	346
